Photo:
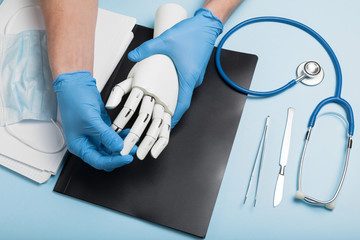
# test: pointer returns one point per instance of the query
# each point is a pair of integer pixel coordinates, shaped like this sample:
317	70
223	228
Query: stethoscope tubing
335	99
338	100
296	24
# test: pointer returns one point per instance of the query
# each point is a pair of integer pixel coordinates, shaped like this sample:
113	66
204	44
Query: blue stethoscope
309	73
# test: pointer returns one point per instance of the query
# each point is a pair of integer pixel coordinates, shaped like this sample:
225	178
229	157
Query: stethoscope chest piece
310	73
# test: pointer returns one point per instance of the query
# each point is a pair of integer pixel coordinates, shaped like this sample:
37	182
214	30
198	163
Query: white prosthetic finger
163	140
117	93
153	132
140	124
128	110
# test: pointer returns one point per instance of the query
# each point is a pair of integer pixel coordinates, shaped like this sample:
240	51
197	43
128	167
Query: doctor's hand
189	44
86	123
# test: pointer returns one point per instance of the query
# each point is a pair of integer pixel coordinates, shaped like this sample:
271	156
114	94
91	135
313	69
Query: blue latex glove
189	44
86	123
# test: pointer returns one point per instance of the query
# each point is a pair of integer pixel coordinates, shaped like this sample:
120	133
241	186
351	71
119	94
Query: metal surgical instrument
310	74
279	189
260	149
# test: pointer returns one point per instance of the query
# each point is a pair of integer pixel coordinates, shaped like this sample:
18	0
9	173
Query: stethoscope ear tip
330	206
299	195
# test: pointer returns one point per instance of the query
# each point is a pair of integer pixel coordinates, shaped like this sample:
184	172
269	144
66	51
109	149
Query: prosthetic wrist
153	80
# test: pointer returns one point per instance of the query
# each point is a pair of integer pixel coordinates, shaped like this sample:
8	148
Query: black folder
179	189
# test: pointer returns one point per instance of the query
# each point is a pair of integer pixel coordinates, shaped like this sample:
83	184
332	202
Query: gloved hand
86	123
189	45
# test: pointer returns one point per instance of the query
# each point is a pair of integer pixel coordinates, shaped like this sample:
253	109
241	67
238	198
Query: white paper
112	37
25	170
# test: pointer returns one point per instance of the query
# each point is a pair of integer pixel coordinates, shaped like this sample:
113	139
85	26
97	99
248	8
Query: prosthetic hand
86	123
153	80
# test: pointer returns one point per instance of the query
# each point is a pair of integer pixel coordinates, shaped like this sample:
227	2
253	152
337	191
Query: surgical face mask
25	79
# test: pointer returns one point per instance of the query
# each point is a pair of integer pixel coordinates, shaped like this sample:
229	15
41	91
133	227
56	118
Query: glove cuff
76	78
213	20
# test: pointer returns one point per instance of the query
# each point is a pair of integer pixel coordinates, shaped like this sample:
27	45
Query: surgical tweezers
260	149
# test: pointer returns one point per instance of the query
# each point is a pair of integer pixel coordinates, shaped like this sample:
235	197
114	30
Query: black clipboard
179	189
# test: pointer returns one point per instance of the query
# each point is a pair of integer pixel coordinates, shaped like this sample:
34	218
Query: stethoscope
309	73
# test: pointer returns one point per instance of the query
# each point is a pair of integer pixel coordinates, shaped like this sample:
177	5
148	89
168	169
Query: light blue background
32	211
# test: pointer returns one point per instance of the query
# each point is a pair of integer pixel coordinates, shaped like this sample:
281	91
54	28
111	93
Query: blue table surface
32	211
